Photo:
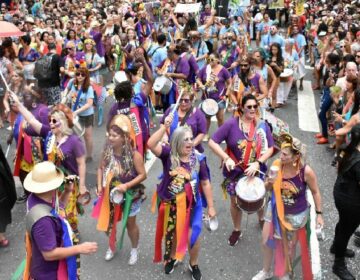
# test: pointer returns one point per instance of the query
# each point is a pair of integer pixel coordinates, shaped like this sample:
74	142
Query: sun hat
94	24
43	178
29	20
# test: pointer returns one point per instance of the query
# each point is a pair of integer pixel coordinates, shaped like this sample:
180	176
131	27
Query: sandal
4	243
332	146
316	87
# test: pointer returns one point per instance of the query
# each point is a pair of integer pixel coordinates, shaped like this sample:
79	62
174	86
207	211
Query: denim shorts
135	208
86	121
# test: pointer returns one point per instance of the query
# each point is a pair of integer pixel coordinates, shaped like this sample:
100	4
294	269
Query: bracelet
259	161
318	212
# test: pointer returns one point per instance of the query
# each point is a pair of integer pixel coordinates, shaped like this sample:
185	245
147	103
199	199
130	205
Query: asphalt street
217	260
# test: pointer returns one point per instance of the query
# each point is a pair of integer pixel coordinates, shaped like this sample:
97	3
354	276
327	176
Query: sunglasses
78	74
244	65
184	100
212	59
53	121
252	107
188	140
358	56
70	49
228	38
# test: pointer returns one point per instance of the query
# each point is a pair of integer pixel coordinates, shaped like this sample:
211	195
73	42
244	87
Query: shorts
222	104
86	121
135	208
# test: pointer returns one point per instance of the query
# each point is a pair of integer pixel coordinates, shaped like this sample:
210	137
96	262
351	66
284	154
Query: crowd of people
54	84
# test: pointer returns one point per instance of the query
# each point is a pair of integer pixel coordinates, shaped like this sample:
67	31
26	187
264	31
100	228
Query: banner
187	8
276	4
239	3
299	7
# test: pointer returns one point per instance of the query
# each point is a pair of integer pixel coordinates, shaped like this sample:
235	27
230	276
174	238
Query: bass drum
250	194
210	107
163	85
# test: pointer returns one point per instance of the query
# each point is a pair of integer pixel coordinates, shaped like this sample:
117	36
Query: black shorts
86	121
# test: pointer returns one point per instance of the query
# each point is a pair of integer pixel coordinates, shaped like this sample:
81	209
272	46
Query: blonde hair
59	115
298	148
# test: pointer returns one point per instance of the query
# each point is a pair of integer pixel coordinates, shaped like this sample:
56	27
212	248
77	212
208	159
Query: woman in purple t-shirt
121	168
63	148
188	115
286	226
215	81
249	145
180	208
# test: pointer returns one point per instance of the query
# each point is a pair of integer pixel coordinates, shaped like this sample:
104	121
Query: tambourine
84	198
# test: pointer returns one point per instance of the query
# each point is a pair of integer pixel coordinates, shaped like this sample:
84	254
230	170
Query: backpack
43	69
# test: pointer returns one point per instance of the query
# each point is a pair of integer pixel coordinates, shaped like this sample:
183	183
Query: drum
286	75
77	128
162	84
250	194
210	107
116	196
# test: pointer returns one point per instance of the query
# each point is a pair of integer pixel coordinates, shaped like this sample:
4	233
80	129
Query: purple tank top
293	193
255	82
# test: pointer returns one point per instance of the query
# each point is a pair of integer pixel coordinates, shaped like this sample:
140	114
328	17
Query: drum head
159	83
286	73
119	77
210	107
250	189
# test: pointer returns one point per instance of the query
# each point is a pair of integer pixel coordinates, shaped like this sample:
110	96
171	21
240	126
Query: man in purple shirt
48	233
97	36
143	28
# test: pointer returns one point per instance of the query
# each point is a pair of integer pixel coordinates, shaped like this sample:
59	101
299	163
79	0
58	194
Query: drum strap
249	142
187	115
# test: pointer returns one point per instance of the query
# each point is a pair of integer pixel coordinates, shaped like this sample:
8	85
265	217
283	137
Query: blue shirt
264	27
210	31
200	50
267	40
300	42
158	56
84	97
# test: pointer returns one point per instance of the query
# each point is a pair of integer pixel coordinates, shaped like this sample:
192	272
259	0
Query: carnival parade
173	139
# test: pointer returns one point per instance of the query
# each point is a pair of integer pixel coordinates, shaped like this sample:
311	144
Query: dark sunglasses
69	49
53	121
188	140
252	107
244	65
78	74
228	38
358	56
185	100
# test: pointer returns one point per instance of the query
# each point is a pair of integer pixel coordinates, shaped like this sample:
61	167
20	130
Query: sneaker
195	272
206	138
109	255
263	275
170	265
133	256
322	141
285	277
234	237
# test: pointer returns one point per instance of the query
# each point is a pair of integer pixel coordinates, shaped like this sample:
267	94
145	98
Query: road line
314	243
307	67
308	120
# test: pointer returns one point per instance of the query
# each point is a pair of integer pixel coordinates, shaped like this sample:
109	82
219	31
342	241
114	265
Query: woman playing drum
288	211
215	81
180	202
121	168
249	145
189	115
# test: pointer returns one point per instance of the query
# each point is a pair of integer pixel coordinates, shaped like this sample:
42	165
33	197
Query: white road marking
307	67
314	243
308	120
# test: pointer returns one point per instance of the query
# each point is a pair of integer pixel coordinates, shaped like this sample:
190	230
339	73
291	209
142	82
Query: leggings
325	105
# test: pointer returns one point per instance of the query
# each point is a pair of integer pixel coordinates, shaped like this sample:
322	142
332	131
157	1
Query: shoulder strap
154	51
198	50
36	213
187	115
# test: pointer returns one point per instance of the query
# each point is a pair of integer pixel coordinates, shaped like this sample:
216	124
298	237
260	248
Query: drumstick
177	103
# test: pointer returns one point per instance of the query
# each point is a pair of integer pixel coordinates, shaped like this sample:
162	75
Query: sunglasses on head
252	107
78	74
185	100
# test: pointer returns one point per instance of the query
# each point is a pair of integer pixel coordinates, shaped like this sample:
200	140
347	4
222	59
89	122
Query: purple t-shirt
97	36
46	235
182	66
228	56
71	149
197	122
41	113
194	68
162	188
223	76
236	141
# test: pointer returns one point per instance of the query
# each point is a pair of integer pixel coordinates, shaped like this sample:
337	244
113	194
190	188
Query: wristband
259	161
318	212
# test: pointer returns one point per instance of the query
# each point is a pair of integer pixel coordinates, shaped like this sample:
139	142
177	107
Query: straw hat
43	178
29	20
94	24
